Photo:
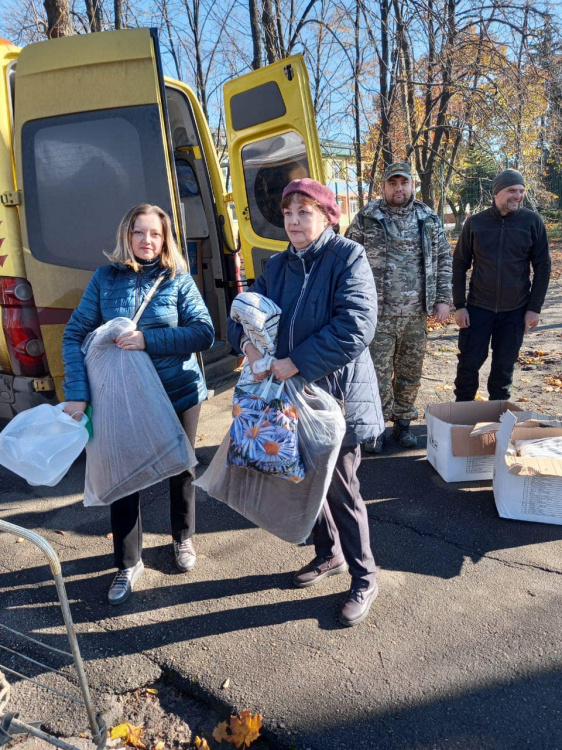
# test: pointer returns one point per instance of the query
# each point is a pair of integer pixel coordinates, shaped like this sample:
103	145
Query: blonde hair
123	253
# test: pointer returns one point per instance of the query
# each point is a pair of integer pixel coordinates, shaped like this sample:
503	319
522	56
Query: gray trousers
342	528
125	513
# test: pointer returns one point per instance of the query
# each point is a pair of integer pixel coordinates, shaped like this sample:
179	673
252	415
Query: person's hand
283	369
462	318
131	340
253	354
75	409
440	312
531	320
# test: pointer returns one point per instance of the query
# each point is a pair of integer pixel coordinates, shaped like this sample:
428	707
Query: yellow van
89	127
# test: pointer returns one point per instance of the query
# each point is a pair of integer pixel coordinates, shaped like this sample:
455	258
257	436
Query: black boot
403	435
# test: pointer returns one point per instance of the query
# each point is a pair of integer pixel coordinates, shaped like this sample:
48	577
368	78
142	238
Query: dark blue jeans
504	330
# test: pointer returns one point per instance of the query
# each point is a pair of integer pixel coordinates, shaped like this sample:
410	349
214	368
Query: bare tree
58	18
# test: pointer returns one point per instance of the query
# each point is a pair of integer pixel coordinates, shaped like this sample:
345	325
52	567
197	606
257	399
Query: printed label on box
542	496
479	464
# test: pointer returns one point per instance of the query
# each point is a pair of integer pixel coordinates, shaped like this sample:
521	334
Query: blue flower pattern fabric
263	434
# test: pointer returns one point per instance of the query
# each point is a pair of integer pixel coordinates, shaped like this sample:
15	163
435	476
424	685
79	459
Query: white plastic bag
138	439
285	509
42	443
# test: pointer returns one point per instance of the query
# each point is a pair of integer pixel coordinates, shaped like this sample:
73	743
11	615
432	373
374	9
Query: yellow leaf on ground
62	533
152	691
478	397
130	734
245	728
220	732
522	398
201	743
160	745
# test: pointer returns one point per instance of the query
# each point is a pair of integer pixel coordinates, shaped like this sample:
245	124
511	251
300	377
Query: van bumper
18	394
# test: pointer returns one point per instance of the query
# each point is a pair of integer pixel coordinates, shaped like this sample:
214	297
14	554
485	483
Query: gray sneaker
123	583
184	555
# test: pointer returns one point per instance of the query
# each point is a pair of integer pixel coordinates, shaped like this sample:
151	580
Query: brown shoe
317	570
357	605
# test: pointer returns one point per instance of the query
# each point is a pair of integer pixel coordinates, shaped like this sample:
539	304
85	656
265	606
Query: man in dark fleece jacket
501	244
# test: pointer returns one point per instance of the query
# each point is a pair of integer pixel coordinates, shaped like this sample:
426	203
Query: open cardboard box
527	488
453	449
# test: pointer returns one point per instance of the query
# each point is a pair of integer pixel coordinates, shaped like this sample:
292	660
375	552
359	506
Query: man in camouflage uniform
412	264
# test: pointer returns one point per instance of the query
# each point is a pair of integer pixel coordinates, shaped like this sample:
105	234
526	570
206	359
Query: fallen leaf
62	533
201	743
226	683
245	728
152	691
522	398
83	735
130	734
110	535
478	397
220	733
19	539
160	745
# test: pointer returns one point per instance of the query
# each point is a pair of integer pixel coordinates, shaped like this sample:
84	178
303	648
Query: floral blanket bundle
263	434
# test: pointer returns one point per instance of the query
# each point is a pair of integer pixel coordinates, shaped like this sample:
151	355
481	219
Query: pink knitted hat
318	192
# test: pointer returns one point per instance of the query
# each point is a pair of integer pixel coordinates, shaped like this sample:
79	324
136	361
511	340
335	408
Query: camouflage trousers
398	350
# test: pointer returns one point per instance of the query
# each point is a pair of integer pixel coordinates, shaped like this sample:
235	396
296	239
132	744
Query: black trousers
505	331
125	513
342	527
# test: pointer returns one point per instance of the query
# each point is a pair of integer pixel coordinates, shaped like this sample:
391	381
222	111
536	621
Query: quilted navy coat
175	324
329	314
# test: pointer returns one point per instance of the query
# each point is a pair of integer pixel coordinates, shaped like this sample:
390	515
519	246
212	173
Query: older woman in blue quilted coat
174	326
324	286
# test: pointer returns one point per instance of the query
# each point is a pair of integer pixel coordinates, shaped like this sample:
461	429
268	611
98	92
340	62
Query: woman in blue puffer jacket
174	326
324	286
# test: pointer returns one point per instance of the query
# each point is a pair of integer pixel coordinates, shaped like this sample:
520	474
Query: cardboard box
526	488
453	451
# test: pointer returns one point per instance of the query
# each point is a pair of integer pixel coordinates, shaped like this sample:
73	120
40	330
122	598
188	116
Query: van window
269	165
82	173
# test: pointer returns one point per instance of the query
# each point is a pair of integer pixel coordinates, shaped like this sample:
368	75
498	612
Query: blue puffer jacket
329	313
175	324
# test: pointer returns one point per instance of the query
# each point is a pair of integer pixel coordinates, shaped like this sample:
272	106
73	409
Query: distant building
341	177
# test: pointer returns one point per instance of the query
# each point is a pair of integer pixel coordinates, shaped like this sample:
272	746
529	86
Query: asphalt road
461	649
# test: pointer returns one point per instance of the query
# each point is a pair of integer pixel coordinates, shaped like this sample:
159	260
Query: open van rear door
272	139
91	140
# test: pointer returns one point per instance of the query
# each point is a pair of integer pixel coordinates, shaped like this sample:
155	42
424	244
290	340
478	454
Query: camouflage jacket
370	229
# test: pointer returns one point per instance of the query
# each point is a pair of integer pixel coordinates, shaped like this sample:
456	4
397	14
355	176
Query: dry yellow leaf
220	733
245	728
522	398
62	533
160	745
201	743
152	691
478	397
130	734
110	535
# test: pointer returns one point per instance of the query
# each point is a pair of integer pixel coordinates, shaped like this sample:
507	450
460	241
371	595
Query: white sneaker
122	586
184	555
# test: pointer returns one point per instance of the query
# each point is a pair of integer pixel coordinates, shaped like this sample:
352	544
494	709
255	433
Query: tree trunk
58	18
357	109
256	33
118	9
269	32
93	9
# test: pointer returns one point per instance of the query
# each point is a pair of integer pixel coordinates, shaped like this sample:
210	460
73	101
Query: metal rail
97	726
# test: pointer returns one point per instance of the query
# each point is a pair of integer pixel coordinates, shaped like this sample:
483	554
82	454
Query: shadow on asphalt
523	713
402	490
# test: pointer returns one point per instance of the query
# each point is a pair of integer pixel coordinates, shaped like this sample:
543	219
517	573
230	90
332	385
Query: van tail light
21	328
